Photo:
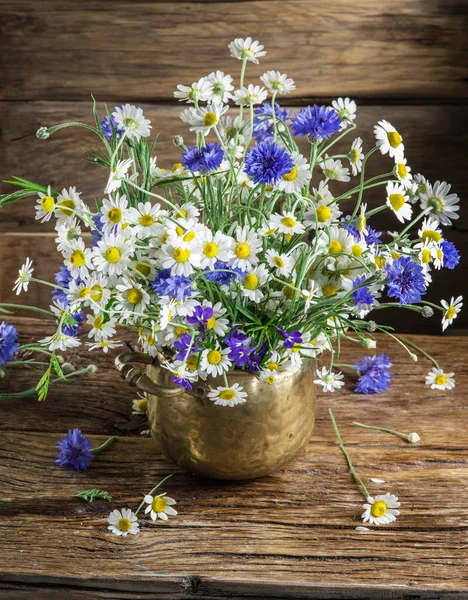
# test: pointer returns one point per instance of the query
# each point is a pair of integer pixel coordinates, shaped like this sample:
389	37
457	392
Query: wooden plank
290	535
58	160
57	50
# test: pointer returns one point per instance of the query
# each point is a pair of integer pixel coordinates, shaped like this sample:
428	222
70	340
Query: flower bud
42	133
427	312
178	140
413	438
3	373
371	326
369	343
92	368
67	368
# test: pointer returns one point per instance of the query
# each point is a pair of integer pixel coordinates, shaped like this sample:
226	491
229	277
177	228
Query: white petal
170	511
162	516
148	499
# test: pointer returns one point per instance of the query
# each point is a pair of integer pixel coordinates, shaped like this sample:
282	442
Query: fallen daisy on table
123	522
160	507
438	380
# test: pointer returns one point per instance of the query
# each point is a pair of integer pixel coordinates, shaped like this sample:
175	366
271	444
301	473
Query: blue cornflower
451	254
225	275
74	330
372	237
240	350
178	287
106	127
63	278
8	342
290	339
207	158
405	280
263	127
186	345
374	376
75	451
185	383
362	294
315	122
200	316
253	363
97	233
267	163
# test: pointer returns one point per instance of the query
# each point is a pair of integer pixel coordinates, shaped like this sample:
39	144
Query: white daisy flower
356	156
132	120
397	201
430	231
114	213
60	341
336	240
278	82
253	281
323	215
246	49
123	522
310	294
452	309
322	193
427	253
131	297
389	140
228	396
188	234
282	263
68	205
220	86
78	258
166	314
24	277
417	186
287	223
117	174
185	212
346	110
217	323
199	91
93	291
298	177
100	329
66	233
442	205
334	170
104	345
250	95
439	380
246	247
160	507
403	172
140	406
215	247
269	376
381	510
214	361
180	258
45	206
329	380
204	118
144	219
112	255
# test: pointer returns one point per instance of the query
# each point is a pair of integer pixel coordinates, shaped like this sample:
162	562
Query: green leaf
43	386
5	501
91	495
249	315
57	367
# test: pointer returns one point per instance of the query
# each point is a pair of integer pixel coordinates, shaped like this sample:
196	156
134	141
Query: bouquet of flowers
246	254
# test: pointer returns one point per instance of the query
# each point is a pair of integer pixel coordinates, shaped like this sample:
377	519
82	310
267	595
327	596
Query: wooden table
291	535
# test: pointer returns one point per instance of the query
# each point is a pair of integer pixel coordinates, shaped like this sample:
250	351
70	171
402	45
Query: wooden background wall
403	60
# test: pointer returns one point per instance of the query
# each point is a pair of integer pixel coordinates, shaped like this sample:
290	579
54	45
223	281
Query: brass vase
240	442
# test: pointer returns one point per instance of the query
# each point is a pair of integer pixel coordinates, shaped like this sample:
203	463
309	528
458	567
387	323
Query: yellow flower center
288	222
97	292
189	236
440	379
150	339
278	262
242	251
397	201
426	256
67	207
361	223
98	322
146	220
164	238
181	214
323	213
451	311
440	254
159	504
291	176
210	250
270	379
124	524
296	347
356	250
192	362
142	404
251	281
112	255
353	156
78	258
210	323
268	188
272	366
114	215
335	247
181	255
288	292
379	508
179	230
269	231
401	170
214	357
134	296
179	330
437	204
47	204
177	166
395	255
429	235
227	394
210	119
380	262
83	292
143	269
394	139
328	290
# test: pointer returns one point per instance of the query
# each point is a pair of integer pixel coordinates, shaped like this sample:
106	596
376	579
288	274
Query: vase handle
133	375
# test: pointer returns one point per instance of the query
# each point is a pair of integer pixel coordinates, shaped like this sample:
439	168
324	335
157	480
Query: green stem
412	356
151	492
104	445
5	501
397	433
33	391
347	456
47	313
423	352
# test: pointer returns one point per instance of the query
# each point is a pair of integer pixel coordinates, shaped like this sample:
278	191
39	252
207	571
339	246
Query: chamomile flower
310	294
278	82
60	341
92	291
282	263
140	406
78	258
403	172
246	49
131	297
323	214
287	223
100	329
389	140
114	213
346	110
298	177
117	174
104	345
228	396
439	380
253	281
329	380
214	248
398	202
441	205
452	309
45	206
123	522
185	212
246	247
160	507
337	241
334	170
145	219
24	277
430	231
217	323
356	156
220	86
112	255
132	121
180	258
67	232
381	510
199	91
68	205
204	118
269	376
250	95
214	361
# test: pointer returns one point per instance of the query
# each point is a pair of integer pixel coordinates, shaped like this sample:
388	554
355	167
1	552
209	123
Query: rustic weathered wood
409	48
291	535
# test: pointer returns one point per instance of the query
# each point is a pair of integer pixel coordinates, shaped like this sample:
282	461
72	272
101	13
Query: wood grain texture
409	48
290	535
